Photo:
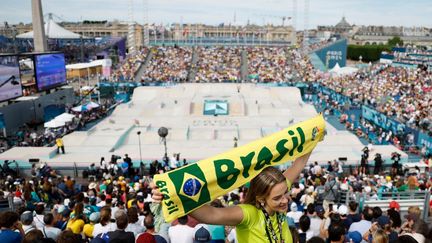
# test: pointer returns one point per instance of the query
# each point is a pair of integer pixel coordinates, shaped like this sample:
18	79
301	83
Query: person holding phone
9	222
265	205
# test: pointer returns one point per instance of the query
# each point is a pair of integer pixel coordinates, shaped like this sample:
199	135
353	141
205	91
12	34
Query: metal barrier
75	169
405	200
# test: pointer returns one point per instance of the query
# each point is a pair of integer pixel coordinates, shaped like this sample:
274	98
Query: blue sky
322	12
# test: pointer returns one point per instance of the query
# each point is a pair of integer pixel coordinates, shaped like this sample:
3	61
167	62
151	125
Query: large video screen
10	83
50	70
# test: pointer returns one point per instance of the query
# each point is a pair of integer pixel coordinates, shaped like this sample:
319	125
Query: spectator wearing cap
27	221
394	205
88	228
354	236
365	223
120	235
308	197
134	225
352	216
294	214
9	223
381	223
201	235
49	231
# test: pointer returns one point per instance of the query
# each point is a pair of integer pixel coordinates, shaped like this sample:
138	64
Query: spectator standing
9	223
120	235
181	232
134	225
49	231
150	233
27	221
365	223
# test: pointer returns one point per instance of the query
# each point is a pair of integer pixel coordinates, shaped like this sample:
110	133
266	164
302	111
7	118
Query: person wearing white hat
343	210
293	213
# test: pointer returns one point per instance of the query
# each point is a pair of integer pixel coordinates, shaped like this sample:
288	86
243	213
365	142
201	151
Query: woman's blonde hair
262	184
380	237
414	210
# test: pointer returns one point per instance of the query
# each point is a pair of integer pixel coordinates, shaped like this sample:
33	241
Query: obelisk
39	38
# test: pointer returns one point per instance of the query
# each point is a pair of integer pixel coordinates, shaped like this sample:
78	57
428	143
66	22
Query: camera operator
364	161
378	164
395	166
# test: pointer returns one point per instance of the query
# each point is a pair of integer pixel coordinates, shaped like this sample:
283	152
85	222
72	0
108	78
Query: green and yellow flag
189	187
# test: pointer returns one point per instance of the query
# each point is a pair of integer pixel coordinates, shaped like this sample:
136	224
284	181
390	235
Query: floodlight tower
294	15
131	30
146	38
306	27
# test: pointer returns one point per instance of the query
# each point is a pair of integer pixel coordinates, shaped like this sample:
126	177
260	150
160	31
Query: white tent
92	105
66	117
54	124
80	108
335	68
86	107
52	31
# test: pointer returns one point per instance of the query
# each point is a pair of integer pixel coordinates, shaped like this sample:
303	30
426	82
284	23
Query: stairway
143	66
193	67
244	66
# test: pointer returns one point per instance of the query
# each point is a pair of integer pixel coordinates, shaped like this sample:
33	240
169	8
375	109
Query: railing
382	199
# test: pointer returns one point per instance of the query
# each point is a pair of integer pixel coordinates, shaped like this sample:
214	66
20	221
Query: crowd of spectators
268	64
36	136
400	93
218	64
126	70
113	202
168	64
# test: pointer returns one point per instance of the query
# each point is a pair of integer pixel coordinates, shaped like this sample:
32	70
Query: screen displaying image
10	83
50	71
215	107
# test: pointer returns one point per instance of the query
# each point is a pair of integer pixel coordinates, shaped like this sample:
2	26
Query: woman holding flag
266	204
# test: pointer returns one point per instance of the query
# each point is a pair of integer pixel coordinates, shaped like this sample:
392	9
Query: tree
395	41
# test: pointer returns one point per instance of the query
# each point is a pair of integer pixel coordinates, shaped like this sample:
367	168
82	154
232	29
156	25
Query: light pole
163	132
139	144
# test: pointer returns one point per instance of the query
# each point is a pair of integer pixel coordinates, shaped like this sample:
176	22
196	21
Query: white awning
53	31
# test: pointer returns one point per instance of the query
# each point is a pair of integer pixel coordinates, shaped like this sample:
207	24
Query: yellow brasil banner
189	187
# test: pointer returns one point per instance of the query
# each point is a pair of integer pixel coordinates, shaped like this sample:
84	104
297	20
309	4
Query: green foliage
369	53
395	41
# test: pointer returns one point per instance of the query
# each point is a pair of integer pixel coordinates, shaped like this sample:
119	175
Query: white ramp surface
252	113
